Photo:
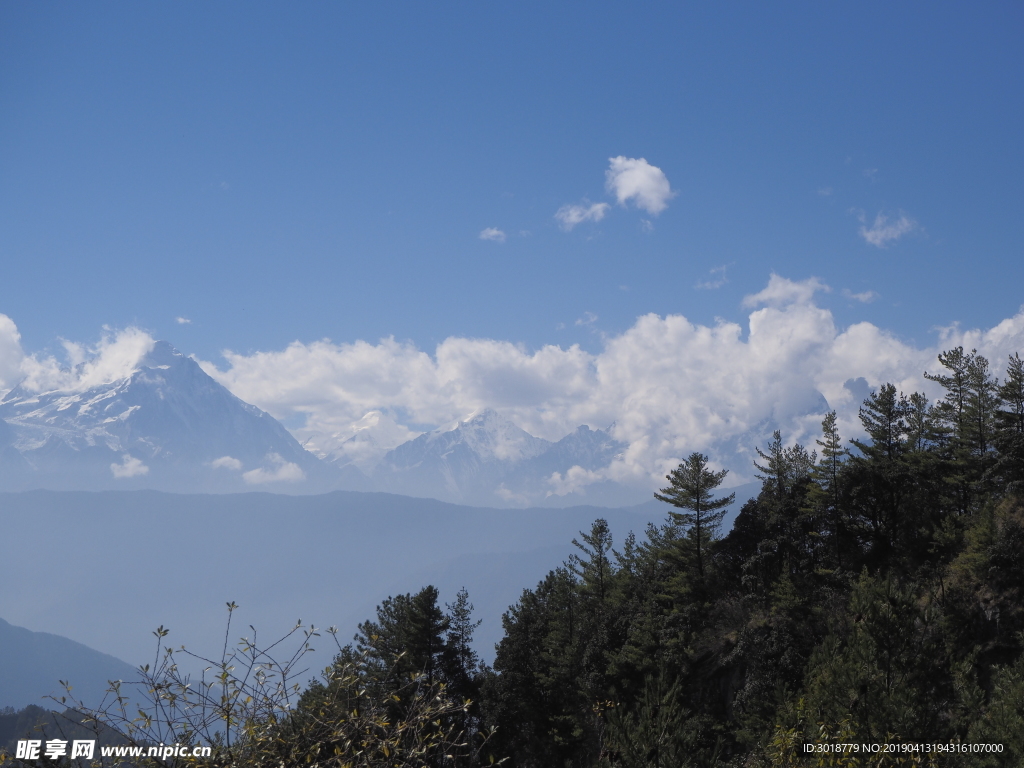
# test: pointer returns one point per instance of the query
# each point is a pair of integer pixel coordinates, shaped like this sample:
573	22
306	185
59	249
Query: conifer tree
691	486
825	491
1009	436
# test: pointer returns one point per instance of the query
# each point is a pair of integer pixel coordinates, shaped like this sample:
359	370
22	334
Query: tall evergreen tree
1009	436
826	475
408	636
691	486
967	413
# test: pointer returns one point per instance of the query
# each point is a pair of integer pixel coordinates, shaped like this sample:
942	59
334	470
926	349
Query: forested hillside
871	593
872	588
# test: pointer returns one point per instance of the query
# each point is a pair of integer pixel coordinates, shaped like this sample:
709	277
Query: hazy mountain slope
33	663
133	560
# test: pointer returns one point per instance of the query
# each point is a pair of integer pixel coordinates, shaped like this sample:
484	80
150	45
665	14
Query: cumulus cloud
569	216
226	462
182	321
780	291
883	231
115	357
277	470
492	233
129	467
636	180
669	386
11	355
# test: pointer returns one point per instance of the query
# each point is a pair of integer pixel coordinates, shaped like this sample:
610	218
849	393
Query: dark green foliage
691	486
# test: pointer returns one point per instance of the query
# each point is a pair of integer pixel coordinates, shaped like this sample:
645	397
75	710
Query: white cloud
11	356
576	479
226	462
882	231
129	467
494	234
670	386
277	471
865	297
589	318
636	180
115	357
182	321
570	215
780	291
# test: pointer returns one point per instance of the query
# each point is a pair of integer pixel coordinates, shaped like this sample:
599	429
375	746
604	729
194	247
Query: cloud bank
667	386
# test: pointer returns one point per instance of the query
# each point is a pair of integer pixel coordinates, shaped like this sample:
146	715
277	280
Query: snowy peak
489	436
166	424
487	459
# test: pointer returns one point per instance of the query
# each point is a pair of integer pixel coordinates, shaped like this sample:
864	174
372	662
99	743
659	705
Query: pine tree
1009	435
691	485
967	412
826	475
595	570
462	661
408	636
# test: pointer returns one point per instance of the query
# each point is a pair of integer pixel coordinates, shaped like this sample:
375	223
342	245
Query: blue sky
281	172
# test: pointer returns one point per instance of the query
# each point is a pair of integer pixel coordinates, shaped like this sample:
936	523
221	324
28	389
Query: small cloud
635	179
524	233
494	234
864	298
589	318
882	231
575	481
227	462
646	225
182	321
714	282
870	173
571	215
129	467
279	471
825	192
224	185
782	291
623	287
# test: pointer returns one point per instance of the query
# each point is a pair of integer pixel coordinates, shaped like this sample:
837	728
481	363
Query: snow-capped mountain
489	460
362	444
166	425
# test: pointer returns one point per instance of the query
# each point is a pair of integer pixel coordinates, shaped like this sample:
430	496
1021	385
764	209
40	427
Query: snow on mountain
157	420
489	460
165	425
363	444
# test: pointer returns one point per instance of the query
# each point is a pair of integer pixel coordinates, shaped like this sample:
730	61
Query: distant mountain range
169	426
33	663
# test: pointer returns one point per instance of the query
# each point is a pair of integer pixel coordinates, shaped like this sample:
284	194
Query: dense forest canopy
870	593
